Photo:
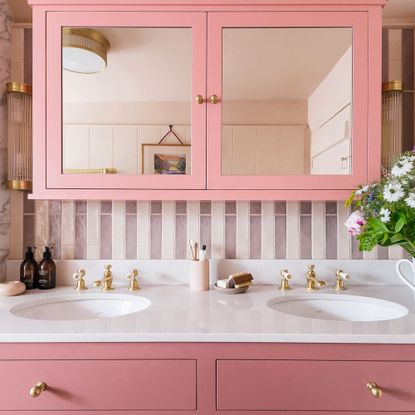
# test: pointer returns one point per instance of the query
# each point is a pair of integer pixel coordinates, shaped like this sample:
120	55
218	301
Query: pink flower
355	222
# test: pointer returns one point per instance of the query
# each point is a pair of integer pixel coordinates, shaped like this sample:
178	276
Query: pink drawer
308	385
99	384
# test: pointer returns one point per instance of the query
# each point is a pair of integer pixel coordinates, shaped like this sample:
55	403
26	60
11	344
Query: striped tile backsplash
161	230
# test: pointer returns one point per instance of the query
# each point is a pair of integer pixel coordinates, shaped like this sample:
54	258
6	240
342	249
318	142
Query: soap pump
29	270
47	271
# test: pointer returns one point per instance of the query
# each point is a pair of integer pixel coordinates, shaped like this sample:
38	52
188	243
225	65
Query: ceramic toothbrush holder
199	275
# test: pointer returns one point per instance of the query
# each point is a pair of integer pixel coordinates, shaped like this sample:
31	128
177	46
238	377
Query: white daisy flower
410	200
362	190
401	168
385	215
393	192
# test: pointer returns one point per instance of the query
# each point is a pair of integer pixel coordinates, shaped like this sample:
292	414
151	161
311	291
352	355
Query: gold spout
80	281
132	277
312	282
106	280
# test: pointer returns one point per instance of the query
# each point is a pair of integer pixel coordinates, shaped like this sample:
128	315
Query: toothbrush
193	252
202	253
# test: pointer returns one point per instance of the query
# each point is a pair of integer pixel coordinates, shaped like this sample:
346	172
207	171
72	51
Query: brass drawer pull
214	99
38	389
199	99
375	389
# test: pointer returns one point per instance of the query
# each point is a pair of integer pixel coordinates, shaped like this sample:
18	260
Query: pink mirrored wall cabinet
271	99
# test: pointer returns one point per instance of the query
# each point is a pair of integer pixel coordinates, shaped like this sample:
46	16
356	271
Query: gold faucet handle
286	276
132	277
108	267
311	267
341	277
80	281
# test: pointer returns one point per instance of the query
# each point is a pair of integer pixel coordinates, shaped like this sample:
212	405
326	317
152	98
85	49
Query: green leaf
400	224
397	238
377	225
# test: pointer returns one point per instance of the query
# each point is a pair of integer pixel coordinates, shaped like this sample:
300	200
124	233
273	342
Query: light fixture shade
84	50
19	136
391	122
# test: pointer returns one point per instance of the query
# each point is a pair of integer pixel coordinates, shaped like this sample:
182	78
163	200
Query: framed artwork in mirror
169	159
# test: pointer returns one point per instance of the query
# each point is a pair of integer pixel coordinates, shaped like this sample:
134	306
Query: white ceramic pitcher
402	276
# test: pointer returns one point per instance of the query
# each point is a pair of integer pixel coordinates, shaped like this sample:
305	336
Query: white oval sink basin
85	307
338	307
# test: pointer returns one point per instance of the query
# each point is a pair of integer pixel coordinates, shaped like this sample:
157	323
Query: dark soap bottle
28	270
47	271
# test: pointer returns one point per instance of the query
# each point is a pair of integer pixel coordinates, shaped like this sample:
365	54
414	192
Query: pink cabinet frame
55	179
360	145
206	20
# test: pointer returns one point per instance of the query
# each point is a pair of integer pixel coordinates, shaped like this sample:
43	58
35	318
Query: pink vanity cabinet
207	378
272	99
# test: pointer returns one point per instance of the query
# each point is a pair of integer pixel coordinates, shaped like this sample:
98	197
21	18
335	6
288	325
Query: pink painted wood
309	385
217	21
55	178
156	385
388	365
49	183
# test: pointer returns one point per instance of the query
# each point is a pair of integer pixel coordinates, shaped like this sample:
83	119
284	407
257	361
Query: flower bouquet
385	212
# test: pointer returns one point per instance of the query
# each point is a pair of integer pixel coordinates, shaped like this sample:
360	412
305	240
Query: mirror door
126	109
286	101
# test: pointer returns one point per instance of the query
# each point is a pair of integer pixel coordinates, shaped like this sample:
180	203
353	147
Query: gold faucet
132	277
106	280
341	277
286	276
80	281
312	281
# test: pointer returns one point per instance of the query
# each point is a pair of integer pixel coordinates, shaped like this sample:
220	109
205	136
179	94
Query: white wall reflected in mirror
287	101
146	86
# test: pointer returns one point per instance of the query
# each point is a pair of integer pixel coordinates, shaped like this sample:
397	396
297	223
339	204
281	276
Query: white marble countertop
178	315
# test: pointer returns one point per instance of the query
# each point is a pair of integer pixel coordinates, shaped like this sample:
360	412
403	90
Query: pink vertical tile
255	236
28	204
28	231
106	207
305	236
230	236
181	208
331	237
280	236
206	233
255	208
131	236
230	208
331	230
356	254
156	207
106	236
205	208
155	236
55	234
382	252
27	59
131	207
181	232
280	208
80	234
80	206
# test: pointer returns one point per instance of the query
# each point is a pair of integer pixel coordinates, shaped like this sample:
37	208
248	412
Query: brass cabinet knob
199	99
214	99
38	389
375	390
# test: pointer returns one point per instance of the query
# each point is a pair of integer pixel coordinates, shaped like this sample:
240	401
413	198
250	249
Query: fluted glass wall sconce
19	136
392	93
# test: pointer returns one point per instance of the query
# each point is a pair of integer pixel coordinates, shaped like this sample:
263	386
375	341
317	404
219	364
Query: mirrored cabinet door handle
214	99
199	99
